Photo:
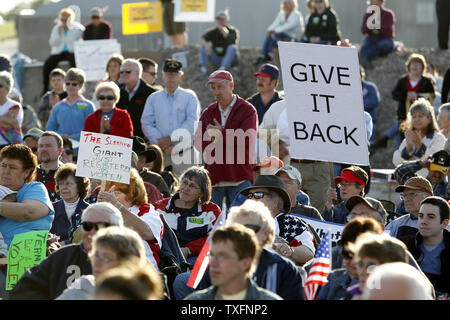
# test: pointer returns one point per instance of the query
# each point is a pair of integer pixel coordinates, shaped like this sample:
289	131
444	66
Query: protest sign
322	227
141	17
104	157
194	10
324	103
26	250
92	56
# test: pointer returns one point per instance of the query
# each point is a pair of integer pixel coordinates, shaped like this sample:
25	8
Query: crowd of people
191	182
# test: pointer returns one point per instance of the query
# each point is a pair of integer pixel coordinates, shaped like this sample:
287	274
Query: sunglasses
254	227
347	254
257	195
102	97
87	225
126	71
73	84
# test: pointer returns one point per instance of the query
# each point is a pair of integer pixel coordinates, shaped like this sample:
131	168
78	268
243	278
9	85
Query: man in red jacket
226	136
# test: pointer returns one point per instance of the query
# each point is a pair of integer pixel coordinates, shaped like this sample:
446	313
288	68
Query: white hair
136	63
397	281
115	217
258	211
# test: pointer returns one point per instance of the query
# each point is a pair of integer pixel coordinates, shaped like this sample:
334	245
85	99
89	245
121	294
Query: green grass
8	30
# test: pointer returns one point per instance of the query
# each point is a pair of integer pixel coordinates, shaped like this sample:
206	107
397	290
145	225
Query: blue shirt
69	119
34	191
431	262
164	113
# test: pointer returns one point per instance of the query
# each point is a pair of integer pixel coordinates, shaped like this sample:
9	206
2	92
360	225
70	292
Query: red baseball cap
219	76
349	176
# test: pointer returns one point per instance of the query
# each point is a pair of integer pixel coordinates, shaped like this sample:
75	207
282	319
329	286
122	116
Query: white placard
194	10
104	157
322	227
92	56
324	103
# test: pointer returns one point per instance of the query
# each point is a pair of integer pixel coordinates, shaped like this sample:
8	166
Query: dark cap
273	183
440	161
370	202
171	65
416	183
268	70
36	133
140	148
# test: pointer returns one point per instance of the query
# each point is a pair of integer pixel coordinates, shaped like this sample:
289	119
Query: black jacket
136	105
52	276
400	93
440	282
61	225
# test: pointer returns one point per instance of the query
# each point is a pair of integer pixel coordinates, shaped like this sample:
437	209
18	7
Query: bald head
397	281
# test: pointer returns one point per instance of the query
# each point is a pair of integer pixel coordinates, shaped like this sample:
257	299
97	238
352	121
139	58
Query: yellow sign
194	5
141	17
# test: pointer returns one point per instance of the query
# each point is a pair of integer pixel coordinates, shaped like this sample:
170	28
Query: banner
322	227
194	10
93	55
104	157
26	250
141	17
324	103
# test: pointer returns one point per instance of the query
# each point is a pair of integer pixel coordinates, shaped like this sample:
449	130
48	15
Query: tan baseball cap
416	183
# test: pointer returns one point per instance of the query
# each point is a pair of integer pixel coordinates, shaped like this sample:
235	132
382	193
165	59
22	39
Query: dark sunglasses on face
126	71
257	195
254	227
102	97
87	225
73	84
347	254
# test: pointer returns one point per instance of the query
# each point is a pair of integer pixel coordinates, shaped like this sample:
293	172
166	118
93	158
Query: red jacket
236	163
120	123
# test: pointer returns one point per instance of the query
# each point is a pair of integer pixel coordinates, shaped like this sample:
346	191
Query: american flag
320	268
202	261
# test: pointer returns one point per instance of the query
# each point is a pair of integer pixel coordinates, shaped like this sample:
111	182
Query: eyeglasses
254	227
32	149
68	151
102	97
126	71
346	184
87	225
367	265
186	183
102	258
257	195
73	84
410	195
220	257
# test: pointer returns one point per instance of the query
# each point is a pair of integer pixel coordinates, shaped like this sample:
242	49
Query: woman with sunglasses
68	116
189	212
72	190
108	119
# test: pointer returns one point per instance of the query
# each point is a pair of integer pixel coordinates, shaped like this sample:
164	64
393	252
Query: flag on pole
202	261
320	268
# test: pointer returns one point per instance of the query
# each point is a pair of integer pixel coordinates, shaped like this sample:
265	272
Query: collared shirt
69	119
48	179
131	93
164	113
259	105
225	113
